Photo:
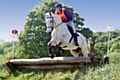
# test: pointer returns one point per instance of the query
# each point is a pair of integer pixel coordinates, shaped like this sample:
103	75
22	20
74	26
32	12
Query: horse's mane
49	14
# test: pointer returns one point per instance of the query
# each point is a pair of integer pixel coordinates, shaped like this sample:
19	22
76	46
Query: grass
3	70
104	72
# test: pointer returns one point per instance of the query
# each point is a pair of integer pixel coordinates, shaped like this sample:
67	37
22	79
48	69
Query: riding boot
75	39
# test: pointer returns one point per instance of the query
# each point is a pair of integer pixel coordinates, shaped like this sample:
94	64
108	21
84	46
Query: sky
98	14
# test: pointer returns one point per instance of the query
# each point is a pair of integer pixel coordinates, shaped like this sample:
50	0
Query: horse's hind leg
85	51
60	51
75	52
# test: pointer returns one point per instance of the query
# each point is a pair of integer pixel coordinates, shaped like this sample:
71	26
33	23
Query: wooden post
61	66
49	63
11	66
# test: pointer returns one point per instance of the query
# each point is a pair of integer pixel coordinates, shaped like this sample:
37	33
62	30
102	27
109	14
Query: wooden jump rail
48	63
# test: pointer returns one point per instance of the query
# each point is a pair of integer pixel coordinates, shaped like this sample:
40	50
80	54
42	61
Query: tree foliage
5	47
86	32
100	42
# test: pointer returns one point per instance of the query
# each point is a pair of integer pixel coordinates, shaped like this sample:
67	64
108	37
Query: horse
61	36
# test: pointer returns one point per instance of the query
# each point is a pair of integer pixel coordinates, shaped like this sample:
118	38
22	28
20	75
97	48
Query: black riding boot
75	39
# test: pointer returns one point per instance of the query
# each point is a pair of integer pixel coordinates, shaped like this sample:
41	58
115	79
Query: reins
54	22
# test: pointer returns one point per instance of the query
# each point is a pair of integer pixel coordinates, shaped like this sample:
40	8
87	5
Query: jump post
49	63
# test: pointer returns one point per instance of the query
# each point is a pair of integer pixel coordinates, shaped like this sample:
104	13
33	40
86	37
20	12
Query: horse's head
50	23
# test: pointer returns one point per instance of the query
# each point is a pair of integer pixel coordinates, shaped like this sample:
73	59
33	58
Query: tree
100	42
1	50
5	47
86	32
115	33
115	45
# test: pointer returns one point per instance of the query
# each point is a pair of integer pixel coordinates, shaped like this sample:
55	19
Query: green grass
3	70
104	72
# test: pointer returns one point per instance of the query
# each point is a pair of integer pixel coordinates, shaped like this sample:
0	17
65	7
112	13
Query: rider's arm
68	15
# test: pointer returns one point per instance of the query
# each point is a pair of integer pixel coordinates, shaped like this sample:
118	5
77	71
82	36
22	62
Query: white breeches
70	23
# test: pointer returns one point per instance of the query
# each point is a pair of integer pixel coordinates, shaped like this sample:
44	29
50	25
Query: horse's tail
88	45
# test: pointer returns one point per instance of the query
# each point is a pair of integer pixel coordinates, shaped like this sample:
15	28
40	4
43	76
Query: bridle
53	21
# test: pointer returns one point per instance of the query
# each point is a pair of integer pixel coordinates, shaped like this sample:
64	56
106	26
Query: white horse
61	36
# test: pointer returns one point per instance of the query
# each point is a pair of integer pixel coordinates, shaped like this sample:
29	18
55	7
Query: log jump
49	63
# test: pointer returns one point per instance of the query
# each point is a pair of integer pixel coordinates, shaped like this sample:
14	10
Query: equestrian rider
66	17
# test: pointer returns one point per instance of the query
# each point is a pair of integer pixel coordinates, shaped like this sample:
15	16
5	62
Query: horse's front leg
49	49
62	43
60	51
59	43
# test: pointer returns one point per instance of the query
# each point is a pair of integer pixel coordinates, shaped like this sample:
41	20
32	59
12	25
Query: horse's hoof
51	55
62	51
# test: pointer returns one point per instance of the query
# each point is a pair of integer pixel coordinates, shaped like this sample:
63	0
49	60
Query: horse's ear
50	13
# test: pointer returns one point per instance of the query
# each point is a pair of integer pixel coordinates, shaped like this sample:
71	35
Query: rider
66	17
